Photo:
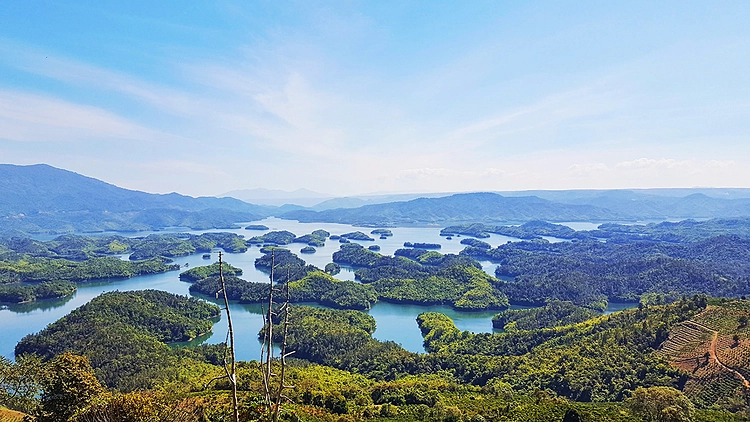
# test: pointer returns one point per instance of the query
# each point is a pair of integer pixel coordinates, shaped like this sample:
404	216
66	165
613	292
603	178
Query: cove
395	322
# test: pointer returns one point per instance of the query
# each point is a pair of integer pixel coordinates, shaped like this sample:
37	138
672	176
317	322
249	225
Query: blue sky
385	96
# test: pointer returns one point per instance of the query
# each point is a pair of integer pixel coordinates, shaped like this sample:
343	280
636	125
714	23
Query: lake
395	322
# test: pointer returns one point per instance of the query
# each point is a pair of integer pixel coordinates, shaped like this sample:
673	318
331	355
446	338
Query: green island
591	272
316	238
421	245
605	368
29	292
358	235
256	227
382	232
199	273
283	237
683	354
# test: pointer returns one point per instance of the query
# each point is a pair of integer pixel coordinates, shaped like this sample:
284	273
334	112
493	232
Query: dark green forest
122	355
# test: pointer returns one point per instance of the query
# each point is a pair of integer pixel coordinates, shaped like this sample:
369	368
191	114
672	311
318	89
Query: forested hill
43	198
465	207
604	205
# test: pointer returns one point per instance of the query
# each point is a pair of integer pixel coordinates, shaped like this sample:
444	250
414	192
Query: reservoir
395	322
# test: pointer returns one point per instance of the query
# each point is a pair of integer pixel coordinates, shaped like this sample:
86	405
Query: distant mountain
275	197
41	198
467	207
358	201
659	204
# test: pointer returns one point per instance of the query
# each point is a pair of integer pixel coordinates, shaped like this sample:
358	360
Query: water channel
395	322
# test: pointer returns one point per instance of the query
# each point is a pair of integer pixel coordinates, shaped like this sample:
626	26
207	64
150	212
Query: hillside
40	198
566	205
466	207
713	348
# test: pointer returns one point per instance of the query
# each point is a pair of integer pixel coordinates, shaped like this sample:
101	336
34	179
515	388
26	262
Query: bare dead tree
274	395
230	368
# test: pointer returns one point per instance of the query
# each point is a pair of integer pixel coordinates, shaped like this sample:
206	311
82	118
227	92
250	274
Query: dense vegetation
382	232
601	369
199	273
287	266
590	272
27	292
283	237
316	238
46	269
316	286
76	247
123	334
529	230
603	359
256	227
422	245
462	287
555	313
356	236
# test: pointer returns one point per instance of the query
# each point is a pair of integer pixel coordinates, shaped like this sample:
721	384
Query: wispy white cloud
27	117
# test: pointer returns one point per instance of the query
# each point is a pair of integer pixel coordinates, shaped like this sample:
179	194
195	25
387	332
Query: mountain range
44	199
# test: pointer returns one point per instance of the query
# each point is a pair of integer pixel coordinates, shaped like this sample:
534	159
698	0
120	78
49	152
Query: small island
374	247
308	249
357	236
382	232
256	227
420	245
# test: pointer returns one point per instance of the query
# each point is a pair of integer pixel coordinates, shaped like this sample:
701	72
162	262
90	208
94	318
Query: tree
661	404
274	394
68	384
230	368
19	382
743	320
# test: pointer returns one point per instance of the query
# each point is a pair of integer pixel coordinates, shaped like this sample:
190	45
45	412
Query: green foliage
587	272
67	385
140	406
462	287
45	269
382	232
316	238
199	273
283	237
356	255
356	236
287	265
19	383
661	404
475	243
20	293
123	334
321	287
307	249
529	230
332	268
438	330
553	314
236	289
256	227
421	245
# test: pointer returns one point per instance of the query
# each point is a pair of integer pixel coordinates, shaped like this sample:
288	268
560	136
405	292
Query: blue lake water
395	322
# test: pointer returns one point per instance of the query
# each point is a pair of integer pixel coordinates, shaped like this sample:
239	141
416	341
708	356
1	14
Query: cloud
672	164
647	163
76	73
587	169
28	117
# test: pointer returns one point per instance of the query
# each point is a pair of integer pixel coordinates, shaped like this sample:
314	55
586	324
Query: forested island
683	347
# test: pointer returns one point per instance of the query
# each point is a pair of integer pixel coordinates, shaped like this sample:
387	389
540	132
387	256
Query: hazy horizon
357	98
